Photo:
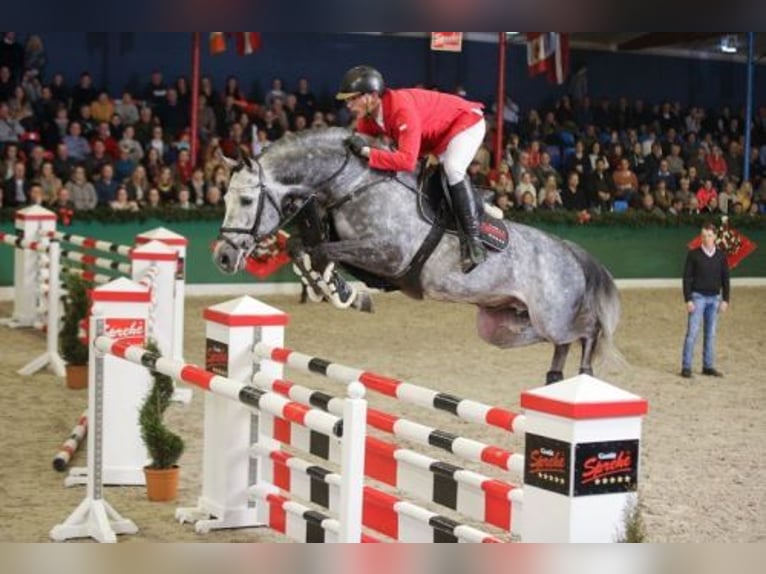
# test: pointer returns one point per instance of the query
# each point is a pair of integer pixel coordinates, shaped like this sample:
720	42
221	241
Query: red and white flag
548	53
247	42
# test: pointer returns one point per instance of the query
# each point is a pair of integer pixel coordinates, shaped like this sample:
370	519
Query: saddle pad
494	233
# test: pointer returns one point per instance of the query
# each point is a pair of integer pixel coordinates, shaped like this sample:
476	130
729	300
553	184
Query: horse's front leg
379	257
316	267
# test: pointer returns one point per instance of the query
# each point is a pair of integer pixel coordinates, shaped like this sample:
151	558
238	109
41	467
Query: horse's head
253	214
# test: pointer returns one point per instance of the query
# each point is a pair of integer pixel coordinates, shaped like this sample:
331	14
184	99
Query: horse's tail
601	298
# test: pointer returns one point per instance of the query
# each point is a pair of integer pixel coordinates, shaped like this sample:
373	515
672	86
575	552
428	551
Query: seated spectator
104	133
16	187
684	189
275	92
153	164
7	83
716	164
63	165
550	184
116	127
206	120
35	162
182	169
131	144
127	110
35	58
62	203
213	197
106	186
122	202
712	207
173	115
78	146
528	201
524	186
573	196
87	123
676	206
648	206
534	154
695	181
159	142
35	194
504	184
318	121
145	126
83	93
552	200
745	196
675	161
260	141
197	186
662	196
138	184
102	109
10	129
601	185
167	186
124	166
184	199
704	194
663	174
7	163
625	182
579	161
727	196
20	109
545	169
153	200
49	182
81	191
96	159
155	91
504	201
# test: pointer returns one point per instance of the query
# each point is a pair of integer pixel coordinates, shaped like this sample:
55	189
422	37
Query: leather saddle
433	206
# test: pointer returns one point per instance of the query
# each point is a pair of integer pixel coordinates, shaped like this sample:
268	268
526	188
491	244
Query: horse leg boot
316	271
472	252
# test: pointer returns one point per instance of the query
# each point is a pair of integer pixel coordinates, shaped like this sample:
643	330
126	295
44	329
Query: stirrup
336	289
472	254
309	277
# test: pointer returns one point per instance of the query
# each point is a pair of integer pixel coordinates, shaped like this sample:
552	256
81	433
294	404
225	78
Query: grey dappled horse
541	288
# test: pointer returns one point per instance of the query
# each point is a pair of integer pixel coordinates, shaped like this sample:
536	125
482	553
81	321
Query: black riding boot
317	272
472	252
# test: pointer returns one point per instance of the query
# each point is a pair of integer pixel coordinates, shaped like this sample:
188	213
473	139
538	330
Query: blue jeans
705	311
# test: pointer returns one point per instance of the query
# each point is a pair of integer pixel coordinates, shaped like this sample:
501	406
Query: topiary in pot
72	349
165	447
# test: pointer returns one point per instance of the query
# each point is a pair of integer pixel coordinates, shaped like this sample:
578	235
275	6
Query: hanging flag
447	41
247	42
548	53
217	42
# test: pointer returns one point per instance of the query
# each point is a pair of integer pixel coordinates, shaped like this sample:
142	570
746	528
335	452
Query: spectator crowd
74	147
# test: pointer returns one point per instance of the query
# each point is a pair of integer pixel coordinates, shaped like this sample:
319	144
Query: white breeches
460	152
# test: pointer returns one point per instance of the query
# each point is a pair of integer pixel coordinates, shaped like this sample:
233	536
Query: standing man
421	122
706	276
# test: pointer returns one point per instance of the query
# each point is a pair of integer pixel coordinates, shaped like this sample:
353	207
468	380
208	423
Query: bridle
266	195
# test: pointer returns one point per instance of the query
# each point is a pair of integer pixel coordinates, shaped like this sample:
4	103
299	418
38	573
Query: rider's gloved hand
358	146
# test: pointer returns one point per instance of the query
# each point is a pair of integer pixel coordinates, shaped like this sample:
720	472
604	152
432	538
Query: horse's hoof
586	371
363	302
553	377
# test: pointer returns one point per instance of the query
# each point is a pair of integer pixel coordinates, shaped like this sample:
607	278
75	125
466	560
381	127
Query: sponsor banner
606	467
547	464
447	41
130	331
217	357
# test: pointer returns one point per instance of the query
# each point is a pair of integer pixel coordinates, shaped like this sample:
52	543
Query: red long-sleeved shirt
419	122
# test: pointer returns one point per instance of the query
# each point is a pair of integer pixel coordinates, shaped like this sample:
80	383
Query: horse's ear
227	161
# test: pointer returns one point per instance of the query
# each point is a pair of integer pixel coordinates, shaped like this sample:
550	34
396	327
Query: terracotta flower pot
161	484
77	376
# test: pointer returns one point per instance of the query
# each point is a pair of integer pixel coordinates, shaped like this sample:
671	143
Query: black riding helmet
360	80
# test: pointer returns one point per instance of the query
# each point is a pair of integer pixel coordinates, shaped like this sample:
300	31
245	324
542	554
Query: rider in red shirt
421	122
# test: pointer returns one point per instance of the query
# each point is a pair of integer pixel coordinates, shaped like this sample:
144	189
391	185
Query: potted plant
73	350
165	447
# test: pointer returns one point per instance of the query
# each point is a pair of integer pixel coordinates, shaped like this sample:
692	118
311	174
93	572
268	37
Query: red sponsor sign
131	331
547	463
447	41
606	467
